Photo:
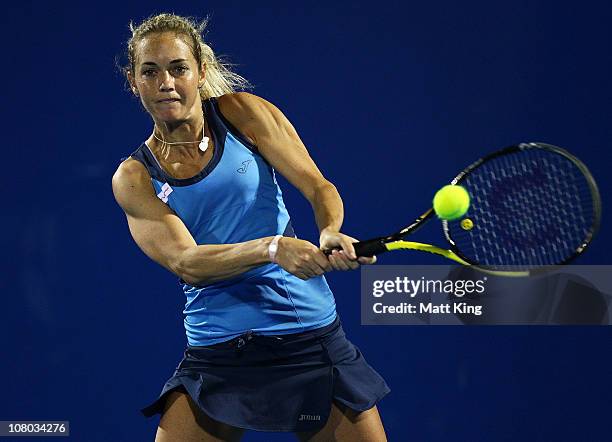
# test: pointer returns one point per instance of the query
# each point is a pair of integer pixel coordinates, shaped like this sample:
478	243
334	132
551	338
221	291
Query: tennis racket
532	205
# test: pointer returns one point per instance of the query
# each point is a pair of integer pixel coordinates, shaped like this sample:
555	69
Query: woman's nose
167	82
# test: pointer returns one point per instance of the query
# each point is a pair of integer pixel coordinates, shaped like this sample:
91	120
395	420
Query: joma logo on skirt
310	417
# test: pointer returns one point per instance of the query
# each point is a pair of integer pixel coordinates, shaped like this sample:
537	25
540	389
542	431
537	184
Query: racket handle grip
370	247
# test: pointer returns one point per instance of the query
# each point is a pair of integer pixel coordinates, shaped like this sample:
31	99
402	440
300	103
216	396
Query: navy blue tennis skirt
276	383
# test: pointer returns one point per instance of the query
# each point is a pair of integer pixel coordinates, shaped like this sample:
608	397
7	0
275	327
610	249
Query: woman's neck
184	137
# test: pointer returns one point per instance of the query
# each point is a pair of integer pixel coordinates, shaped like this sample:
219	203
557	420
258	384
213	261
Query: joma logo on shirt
245	166
310	417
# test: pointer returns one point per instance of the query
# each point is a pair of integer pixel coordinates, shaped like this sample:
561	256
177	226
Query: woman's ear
132	84
202	75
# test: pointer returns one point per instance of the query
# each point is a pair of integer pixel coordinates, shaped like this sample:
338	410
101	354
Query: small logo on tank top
309	417
245	166
165	191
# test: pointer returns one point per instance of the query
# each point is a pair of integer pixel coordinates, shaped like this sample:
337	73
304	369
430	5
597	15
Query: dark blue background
392	99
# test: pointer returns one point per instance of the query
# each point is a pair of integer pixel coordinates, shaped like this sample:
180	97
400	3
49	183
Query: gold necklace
203	142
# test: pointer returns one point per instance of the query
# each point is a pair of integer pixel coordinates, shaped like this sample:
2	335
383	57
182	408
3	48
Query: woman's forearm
328	208
210	263
204	264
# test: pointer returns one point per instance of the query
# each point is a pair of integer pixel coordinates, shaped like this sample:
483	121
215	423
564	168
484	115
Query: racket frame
396	240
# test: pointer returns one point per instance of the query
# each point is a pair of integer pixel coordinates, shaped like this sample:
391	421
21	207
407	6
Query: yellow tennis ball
451	202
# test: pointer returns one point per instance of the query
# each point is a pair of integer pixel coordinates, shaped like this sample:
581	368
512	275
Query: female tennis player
266	349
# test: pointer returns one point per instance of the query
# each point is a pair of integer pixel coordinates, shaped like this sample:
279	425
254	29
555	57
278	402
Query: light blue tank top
236	198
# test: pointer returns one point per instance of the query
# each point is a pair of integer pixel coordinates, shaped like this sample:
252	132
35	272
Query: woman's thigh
345	424
183	421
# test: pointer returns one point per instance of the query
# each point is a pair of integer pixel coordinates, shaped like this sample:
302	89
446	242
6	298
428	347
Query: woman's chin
170	116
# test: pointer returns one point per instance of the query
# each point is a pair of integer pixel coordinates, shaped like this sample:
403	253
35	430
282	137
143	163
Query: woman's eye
178	69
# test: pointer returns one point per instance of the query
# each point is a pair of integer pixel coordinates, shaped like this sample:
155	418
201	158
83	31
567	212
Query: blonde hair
219	79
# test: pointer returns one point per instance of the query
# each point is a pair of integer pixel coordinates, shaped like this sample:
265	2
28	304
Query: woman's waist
253	348
291	336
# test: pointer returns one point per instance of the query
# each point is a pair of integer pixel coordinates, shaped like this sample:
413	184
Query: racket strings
529	208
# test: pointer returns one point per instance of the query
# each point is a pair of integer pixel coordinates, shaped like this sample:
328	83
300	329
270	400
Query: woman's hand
344	259
301	258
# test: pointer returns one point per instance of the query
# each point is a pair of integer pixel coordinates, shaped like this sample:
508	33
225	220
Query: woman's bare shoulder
243	110
130	175
131	170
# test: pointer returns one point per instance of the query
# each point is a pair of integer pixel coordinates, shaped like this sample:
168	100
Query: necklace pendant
203	144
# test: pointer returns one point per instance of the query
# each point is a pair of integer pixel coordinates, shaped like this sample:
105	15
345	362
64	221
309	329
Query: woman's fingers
347	246
342	261
364	260
337	262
